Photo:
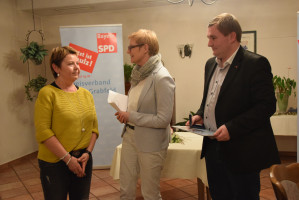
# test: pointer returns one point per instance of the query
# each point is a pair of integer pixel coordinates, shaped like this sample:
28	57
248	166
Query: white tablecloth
183	160
285	125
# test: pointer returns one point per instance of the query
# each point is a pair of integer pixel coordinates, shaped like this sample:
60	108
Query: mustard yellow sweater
64	114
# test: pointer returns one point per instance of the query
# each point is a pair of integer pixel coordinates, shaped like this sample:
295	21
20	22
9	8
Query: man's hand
196	119
222	134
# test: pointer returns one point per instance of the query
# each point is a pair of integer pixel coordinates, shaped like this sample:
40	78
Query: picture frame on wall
248	40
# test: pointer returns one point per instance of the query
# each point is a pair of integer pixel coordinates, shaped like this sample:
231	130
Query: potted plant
283	88
34	52
34	85
127	74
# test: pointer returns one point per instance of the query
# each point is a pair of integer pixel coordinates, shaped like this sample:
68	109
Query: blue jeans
58	181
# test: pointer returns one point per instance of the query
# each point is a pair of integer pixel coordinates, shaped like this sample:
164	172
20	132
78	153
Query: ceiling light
190	2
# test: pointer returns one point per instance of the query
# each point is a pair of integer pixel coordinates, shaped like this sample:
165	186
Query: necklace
82	122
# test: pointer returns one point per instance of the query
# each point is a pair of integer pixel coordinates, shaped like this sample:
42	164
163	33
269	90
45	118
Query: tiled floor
19	180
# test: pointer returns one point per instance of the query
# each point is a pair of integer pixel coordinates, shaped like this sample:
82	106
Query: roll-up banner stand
101	61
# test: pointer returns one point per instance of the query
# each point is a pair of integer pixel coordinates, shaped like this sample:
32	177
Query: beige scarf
140	73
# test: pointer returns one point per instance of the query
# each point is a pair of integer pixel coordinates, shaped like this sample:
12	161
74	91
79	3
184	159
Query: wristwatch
89	153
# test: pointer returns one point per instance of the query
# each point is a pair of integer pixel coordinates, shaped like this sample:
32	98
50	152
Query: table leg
201	189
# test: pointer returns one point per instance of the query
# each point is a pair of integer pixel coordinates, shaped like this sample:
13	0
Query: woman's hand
83	160
75	167
122	117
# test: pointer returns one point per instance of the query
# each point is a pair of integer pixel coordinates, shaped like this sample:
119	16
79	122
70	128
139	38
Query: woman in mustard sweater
66	130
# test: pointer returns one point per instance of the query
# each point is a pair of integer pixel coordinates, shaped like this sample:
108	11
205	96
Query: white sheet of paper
118	101
203	132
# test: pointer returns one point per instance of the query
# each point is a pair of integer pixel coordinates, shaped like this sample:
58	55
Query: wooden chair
285	181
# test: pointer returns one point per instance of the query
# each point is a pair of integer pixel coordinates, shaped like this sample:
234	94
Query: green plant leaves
34	85
127	71
185	120
284	86
176	139
34	52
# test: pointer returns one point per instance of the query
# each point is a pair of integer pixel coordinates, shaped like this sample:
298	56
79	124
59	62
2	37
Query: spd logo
107	43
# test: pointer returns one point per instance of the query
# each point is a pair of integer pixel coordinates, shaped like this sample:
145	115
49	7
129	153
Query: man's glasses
133	46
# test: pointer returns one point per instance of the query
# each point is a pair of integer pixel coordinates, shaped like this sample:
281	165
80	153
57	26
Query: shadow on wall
16	101
22	108
14	64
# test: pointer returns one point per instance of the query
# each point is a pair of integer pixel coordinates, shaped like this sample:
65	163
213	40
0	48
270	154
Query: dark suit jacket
245	104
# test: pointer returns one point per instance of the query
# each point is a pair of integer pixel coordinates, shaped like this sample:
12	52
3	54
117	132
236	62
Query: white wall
16	135
17	131
274	21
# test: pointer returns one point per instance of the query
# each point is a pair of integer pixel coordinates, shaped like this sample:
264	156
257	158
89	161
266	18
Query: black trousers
58	181
225	184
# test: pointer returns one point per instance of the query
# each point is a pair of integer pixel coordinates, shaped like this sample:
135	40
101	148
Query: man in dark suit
237	104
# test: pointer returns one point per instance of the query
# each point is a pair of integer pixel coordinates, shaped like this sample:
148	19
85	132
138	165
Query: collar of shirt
228	62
